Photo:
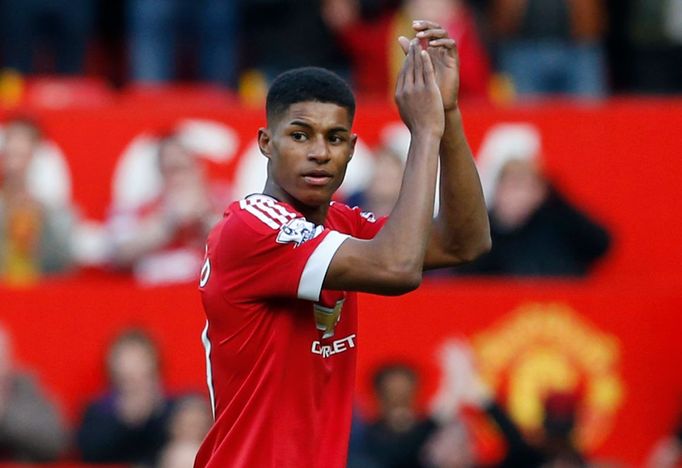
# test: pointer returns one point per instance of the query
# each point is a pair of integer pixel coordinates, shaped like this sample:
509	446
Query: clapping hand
443	53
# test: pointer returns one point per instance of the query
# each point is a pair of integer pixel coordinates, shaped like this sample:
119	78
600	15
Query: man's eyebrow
301	123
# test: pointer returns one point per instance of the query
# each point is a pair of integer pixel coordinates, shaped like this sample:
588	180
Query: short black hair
308	84
387	370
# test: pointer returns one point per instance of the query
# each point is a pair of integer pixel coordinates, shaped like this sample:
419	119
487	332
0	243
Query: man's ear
353	141
264	141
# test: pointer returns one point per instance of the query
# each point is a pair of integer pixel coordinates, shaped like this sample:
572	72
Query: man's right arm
391	262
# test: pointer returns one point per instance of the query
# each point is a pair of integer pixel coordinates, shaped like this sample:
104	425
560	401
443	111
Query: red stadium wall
620	160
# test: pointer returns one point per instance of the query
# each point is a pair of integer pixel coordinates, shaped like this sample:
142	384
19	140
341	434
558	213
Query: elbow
404	280
412	282
481	248
476	249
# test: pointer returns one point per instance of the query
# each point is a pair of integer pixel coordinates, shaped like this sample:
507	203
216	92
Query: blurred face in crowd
179	168
5	355
521	189
396	394
432	10
133	367
21	142
382	193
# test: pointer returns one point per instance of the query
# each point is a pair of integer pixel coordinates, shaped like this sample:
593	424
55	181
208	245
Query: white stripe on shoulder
267	208
251	208
277	206
310	284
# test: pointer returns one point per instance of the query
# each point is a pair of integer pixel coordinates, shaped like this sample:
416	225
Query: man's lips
317	178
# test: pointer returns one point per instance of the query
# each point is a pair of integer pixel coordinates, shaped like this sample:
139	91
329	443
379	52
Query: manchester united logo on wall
548	349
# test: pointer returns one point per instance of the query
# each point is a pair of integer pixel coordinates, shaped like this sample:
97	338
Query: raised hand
417	94
443	53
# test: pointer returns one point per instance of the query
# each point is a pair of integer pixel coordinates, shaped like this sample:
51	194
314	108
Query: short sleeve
265	250
365	224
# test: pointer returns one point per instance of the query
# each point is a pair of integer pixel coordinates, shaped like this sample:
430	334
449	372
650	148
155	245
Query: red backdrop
620	160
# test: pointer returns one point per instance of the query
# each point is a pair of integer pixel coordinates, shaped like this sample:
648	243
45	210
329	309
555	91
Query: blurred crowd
402	434
136	422
587	48
164	204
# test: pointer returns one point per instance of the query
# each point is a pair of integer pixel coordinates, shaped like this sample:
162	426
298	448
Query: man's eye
335	139
299	136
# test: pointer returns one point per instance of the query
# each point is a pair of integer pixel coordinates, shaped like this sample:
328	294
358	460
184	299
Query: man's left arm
461	231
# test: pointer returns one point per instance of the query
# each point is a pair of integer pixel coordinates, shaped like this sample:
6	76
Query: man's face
308	147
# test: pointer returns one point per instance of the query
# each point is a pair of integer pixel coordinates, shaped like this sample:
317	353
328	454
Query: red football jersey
280	351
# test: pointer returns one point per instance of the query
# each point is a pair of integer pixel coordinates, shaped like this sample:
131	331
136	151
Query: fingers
427	67
404	44
406	77
410	64
430	34
419	78
446	43
400	82
421	25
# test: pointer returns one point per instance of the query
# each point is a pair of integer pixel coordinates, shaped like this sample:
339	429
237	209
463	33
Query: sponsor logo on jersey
335	347
369	216
298	231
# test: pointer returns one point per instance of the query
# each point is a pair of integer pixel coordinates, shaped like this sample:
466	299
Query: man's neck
314	214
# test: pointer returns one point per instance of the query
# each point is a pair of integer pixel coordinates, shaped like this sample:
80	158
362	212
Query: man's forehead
315	113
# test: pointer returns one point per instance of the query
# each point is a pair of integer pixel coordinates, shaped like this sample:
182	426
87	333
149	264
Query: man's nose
319	151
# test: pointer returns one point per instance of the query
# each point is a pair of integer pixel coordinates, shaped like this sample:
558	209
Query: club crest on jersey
326	318
298	231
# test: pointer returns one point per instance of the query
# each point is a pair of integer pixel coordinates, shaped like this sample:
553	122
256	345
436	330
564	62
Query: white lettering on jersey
205	273
298	231
336	347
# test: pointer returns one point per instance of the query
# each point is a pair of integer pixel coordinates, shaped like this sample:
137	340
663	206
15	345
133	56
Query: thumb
404	44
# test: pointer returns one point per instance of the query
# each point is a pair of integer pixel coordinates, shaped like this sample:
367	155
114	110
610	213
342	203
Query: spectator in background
462	385
286	34
35	234
31	429
376	56
397	438
188	426
166	33
552	46
164	241
655	30
46	36
129	424
667	453
380	195
535	231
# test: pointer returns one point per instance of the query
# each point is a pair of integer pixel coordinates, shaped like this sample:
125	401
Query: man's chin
314	200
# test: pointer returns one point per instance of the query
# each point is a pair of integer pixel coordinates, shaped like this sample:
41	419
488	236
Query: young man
281	267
